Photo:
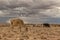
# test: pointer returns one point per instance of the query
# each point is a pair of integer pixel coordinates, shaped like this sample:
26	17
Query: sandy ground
30	32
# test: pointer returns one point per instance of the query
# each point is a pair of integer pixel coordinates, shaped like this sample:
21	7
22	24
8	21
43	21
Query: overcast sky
30	8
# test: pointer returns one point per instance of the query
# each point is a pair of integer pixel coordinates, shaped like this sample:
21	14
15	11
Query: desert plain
29	31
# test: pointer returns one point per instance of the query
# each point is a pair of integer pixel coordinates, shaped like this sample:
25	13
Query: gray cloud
38	4
32	9
29	8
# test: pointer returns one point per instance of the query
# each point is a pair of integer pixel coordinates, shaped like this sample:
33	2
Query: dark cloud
30	9
34	4
27	7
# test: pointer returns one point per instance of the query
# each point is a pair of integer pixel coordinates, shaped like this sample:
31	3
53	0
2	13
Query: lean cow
16	22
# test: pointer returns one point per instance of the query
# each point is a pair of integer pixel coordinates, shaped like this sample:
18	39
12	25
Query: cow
16	22
46	25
